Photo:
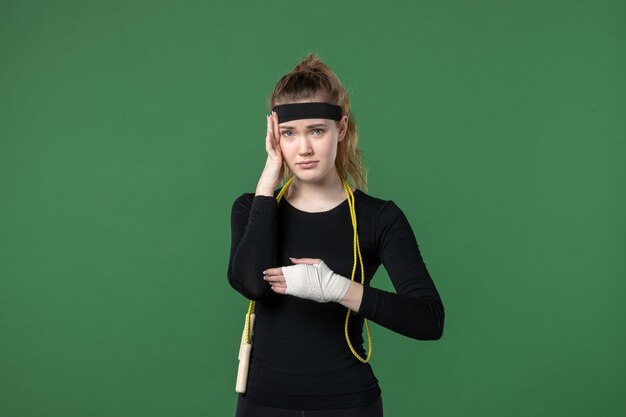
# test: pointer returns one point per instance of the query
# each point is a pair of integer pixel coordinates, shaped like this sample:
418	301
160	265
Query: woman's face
311	140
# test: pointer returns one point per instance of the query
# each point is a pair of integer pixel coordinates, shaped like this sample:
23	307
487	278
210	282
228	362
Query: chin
311	175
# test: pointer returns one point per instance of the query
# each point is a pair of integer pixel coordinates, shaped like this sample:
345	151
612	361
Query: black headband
308	110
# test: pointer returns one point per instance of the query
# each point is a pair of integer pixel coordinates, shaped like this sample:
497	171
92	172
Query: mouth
307	164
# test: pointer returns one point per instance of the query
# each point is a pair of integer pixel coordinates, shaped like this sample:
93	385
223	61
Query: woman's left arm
353	296
416	309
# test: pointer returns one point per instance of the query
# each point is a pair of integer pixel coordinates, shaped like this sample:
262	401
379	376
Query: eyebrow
308	127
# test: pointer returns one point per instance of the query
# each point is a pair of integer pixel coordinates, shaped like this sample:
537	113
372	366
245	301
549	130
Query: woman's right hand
274	168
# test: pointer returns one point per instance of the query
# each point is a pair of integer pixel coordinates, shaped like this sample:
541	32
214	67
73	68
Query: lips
307	164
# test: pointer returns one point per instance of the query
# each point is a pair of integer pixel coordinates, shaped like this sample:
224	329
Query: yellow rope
357	251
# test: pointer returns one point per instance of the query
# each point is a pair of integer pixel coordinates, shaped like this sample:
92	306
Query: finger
273	132
267	135
279	290
273	271
275	279
276	129
280	282
269	140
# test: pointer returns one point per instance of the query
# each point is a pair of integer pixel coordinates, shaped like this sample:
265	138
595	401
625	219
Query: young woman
304	254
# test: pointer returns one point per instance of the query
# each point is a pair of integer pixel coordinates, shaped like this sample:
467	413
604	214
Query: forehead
304	123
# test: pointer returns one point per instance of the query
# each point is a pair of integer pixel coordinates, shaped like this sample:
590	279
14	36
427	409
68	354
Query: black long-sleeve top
300	358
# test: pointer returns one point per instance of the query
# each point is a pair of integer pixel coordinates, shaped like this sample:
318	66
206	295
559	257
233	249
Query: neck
329	188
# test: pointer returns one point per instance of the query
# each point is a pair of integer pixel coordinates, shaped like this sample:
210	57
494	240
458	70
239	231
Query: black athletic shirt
300	357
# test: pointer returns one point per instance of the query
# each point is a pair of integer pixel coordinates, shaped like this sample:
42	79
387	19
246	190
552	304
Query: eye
285	132
321	130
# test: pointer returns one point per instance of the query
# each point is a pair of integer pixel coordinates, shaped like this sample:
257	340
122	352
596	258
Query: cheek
287	151
330	148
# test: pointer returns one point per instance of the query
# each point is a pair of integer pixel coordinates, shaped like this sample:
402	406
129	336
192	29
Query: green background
127	129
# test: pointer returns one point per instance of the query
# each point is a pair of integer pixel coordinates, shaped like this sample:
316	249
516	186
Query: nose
304	146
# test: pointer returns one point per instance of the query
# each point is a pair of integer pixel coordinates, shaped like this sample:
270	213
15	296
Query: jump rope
288	112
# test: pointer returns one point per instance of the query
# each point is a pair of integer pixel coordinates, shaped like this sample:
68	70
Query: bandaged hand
315	282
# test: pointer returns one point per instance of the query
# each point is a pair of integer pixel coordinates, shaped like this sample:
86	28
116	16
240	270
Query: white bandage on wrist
315	282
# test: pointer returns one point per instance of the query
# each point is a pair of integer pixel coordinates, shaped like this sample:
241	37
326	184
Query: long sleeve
416	310
253	244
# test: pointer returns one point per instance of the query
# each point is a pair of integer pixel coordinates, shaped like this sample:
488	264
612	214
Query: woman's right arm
253	224
253	244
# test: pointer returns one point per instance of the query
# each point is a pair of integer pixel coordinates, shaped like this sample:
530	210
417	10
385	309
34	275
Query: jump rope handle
244	357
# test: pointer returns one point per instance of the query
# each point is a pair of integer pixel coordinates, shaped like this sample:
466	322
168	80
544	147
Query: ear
343	127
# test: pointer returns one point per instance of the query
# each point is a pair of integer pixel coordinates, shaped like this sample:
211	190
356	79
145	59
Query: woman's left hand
310	278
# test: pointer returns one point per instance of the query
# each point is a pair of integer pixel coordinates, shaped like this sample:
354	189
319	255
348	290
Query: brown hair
312	78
